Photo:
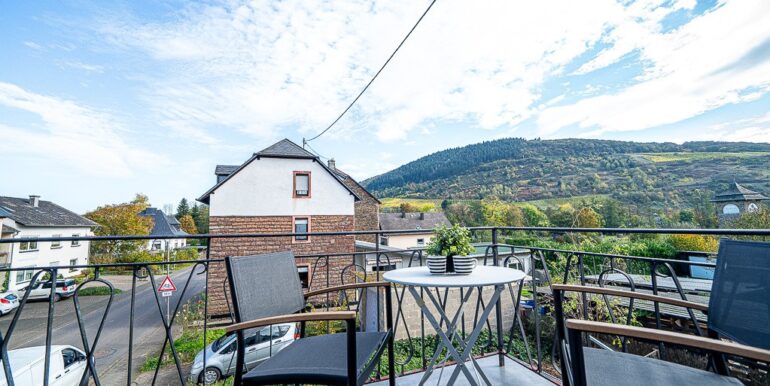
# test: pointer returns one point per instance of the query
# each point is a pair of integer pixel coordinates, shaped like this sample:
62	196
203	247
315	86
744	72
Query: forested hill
521	170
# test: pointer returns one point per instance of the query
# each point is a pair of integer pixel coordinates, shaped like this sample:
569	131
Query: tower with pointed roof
736	201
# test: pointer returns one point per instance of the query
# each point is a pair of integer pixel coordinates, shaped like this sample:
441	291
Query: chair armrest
630	294
305	317
347	287
670	337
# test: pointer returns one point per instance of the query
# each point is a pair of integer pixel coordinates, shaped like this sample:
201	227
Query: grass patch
187	346
698	156
98	291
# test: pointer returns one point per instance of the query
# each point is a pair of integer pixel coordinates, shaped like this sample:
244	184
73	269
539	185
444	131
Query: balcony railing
520	329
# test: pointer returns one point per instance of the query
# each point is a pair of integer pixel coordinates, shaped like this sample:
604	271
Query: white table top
480	277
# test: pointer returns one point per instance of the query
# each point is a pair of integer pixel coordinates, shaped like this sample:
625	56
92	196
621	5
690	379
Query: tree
694	243
183	209
499	213
188	224
614	213
586	217
200	215
533	216
117	220
686	215
703	209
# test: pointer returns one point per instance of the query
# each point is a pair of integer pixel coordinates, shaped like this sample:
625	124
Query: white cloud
33	45
260	67
69	135
690	70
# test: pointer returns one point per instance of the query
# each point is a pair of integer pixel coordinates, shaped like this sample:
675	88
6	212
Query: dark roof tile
163	225
427	220
46	214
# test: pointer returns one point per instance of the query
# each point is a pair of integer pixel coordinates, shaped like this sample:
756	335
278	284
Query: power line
375	75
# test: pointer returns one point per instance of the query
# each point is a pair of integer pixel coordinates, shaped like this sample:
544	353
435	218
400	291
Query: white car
42	290
28	366
8	302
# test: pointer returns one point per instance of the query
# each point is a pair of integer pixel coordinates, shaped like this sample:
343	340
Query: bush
97	291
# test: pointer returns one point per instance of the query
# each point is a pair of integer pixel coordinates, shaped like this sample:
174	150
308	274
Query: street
112	349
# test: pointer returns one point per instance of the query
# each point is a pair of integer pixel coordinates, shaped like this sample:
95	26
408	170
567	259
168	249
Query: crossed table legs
447	337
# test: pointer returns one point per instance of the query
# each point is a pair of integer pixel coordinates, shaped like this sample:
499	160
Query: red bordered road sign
167	285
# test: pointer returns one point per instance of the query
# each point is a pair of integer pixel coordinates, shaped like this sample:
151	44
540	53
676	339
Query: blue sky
101	100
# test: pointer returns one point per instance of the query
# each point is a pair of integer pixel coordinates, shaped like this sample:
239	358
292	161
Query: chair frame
350	322
575	329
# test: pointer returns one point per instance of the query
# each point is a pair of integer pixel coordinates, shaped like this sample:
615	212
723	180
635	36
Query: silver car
261	343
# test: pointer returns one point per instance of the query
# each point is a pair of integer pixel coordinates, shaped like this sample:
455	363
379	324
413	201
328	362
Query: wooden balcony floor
511	374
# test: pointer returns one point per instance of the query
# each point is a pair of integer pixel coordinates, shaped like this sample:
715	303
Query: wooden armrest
347	287
306	317
630	294
672	338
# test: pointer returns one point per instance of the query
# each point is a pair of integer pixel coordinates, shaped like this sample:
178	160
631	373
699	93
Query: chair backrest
739	308
264	285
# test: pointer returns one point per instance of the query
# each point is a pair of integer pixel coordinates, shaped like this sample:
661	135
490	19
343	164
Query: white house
400	221
164	226
34	218
280	189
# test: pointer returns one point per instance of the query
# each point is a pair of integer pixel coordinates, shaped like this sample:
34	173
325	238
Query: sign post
167	289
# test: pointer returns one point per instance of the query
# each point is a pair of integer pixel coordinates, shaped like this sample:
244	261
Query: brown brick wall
366	210
317	245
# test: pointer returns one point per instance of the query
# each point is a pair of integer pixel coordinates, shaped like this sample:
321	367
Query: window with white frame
56	244
420	242
301	184
24	276
156	245
28	246
73	262
304	275
76	243
301	225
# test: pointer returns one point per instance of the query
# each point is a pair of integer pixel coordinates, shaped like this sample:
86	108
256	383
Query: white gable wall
265	188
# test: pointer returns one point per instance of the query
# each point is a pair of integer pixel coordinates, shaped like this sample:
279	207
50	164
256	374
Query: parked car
220	354
42	290
8	302
28	366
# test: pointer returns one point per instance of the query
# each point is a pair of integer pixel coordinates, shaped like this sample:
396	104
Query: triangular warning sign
167	285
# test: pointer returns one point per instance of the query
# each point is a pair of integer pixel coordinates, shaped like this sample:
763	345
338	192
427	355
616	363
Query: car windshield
222	342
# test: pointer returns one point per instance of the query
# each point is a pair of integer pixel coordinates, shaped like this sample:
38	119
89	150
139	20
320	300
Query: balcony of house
187	316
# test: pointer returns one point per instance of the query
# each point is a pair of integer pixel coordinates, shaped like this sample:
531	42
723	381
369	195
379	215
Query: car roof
23	358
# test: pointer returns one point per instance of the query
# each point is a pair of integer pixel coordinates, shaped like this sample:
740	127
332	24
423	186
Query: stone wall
317	245
366	210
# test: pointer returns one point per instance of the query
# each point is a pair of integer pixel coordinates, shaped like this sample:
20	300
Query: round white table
482	276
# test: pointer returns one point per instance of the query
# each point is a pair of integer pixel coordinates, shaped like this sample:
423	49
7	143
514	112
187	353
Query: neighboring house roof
225	170
281	149
426	220
163	224
738	192
8	229
352	183
45	214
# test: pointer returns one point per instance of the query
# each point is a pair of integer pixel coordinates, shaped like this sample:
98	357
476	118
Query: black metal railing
541	265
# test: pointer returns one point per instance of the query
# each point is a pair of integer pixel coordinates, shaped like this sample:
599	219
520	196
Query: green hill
654	175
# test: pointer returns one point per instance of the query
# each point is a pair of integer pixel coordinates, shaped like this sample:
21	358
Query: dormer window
301	184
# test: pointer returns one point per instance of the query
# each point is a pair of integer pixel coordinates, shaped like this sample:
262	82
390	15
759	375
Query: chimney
34	200
422	215
332	164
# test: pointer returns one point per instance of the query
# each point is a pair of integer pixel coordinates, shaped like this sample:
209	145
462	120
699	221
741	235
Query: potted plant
447	243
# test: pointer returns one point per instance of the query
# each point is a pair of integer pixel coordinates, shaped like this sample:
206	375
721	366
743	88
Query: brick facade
317	245
366	209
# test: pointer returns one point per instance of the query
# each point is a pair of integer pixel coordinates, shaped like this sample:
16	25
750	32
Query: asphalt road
112	348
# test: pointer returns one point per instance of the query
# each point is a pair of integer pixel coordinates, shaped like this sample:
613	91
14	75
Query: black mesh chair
266	290
739	310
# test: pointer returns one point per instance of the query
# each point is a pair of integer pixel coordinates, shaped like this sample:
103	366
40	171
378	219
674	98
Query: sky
102	100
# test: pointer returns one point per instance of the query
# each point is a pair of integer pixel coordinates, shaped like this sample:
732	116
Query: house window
56	244
156	245
301	225
28	246
301	184
76	243
24	276
384	240
420	242
304	275
73	262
